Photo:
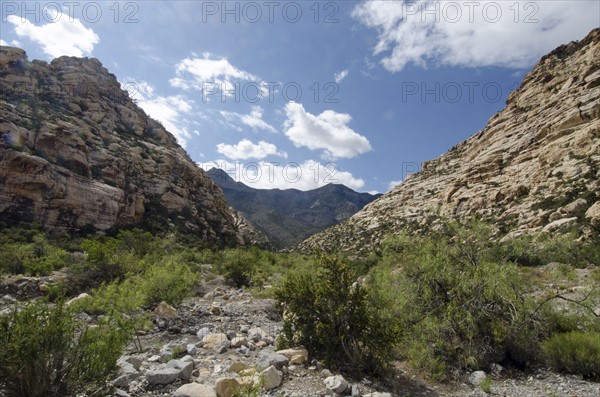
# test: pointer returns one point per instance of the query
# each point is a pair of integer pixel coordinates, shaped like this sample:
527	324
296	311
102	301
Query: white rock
477	377
593	213
227	387
213	340
202	332
271	378
552	226
292	353
76	299
336	384
195	390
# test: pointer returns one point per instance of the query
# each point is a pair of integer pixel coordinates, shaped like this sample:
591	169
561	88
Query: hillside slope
77	153
535	166
289	216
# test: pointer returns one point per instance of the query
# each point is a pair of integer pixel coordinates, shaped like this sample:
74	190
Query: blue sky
299	94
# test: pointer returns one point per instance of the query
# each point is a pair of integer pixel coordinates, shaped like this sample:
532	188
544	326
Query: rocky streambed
222	342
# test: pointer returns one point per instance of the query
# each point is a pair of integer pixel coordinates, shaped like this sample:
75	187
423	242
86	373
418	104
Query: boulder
256	333
163	309
213	340
266	358
237	366
167	373
558	224
195	390
336	384
477	377
202	332
76	299
162	376
227	387
593	213
297	355
271	378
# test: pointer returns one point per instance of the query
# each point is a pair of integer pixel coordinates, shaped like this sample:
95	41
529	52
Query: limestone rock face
536	161
77	152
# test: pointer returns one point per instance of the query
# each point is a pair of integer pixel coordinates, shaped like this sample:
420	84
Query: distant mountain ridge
534	168
289	216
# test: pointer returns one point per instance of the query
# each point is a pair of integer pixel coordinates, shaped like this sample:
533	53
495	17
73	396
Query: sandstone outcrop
536	162
77	153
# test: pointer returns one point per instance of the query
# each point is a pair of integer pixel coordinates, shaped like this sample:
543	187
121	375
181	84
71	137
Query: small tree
332	316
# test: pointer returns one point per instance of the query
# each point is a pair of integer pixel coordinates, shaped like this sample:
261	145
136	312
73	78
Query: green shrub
45	353
335	318
37	257
170	283
458	308
486	384
574	353
239	265
115	297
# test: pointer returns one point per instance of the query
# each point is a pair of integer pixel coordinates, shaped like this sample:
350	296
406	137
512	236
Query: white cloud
340	76
245	150
2	42
328	131
213	76
271	175
473	34
253	119
169	110
62	36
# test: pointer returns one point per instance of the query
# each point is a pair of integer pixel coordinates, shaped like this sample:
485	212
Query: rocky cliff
77	153
534	167
286	217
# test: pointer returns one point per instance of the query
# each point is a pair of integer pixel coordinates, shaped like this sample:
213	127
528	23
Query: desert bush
574	353
114	297
170	282
36	257
528	250
239	266
335	318
45	353
458	307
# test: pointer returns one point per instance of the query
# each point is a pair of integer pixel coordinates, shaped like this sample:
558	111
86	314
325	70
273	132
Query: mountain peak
288	216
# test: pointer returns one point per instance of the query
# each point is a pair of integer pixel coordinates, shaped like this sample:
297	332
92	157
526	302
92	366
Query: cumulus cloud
245	150
169	110
340	76
217	75
473	34
307	175
253	119
328	131
61	36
